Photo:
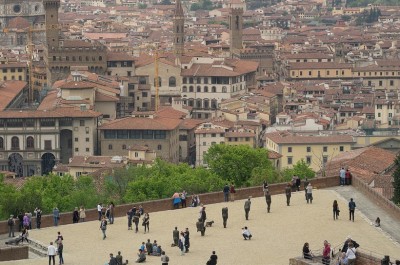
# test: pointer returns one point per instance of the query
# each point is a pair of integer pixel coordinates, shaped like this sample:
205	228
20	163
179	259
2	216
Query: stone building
62	54
31	142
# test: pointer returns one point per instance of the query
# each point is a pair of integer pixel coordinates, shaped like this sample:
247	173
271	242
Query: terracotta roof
231	67
119	56
170	112
273	155
18	23
77	85
9	90
284	137
189	124
135	123
93	162
100	97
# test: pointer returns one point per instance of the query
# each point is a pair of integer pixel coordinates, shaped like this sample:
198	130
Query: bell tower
52	27
235	29
179	31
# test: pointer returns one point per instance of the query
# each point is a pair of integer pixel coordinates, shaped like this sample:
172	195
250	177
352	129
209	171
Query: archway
15	164
48	162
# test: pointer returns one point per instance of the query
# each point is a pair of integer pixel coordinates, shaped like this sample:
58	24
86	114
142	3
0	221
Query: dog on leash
209	224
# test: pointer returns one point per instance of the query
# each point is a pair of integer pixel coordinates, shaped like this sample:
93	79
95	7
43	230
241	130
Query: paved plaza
277	236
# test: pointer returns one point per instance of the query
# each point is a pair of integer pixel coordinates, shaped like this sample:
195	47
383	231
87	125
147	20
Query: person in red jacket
348	177
326	253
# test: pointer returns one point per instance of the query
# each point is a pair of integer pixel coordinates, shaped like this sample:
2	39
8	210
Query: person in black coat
213	259
75	217
346	244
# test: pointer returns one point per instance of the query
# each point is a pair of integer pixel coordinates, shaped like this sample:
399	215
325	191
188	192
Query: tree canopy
396	181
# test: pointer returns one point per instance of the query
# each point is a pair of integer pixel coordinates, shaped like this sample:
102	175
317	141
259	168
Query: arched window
124	147
190	102
206	89
159	81
100	58
191	89
110	147
184	89
214	89
184	80
198	104
213	103
30	142
15	143
172	81
190	80
1	143
159	147
206	103
224	89
198	89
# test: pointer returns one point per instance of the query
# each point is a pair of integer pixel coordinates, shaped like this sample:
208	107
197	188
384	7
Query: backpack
166	258
10	222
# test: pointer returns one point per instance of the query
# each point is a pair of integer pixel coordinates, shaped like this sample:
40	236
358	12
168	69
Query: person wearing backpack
164	258
11	224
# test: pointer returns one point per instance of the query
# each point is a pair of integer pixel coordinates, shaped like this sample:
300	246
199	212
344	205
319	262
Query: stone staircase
37	248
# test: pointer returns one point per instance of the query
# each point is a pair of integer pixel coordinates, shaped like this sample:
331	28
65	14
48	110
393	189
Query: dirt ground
277	236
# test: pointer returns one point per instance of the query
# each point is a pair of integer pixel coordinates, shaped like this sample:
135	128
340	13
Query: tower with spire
179	32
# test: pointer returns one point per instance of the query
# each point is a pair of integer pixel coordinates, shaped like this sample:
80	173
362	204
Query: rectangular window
110	134
380	83
135	134
379	106
391	82
147	134
160	134
379	114
308	149
122	134
325	148
290	160
47	122
87	149
308	159
324	159
76	139
289	149
390	115
213	135
82	123
47	145
77	149
144	94
341	148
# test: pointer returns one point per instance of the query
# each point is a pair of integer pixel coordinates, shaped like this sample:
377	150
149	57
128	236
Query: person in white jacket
52	252
351	254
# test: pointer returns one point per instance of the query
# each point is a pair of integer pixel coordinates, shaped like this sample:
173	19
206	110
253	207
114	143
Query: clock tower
52	27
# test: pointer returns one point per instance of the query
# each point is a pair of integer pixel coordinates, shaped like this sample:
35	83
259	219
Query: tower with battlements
179	30
52	29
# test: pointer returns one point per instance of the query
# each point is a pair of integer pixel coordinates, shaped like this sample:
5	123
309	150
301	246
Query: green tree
236	163
396	181
300	169
142	6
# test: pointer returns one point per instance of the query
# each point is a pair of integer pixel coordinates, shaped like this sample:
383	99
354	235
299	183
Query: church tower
235	29
179	32
52	29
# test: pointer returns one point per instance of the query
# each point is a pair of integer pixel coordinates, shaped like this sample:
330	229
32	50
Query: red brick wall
166	204
14	253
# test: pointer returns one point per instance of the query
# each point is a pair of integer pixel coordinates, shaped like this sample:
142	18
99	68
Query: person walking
247	206
60	253
288	192
175	236
182	243
309	193
82	213
335	210
103	227
11	224
232	192
267	199
342	175
213	259
146	222
226	193
224	216
187	239
352	208
164	258
56	216
51	252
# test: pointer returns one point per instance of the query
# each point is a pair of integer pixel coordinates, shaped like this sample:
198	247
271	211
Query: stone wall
166	204
14	253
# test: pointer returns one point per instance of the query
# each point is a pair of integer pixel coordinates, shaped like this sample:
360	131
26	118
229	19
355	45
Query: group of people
79	215
179	199
345	176
105	211
149	249
54	250
117	260
134	215
229	192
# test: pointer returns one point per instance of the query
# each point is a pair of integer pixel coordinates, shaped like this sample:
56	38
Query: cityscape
121	103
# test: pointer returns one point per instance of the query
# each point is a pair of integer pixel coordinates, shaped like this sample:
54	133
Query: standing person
232	192
305	184
187	239
200	227
267	199
82	213
176	200
103	227
225	215
111	207
60	253
25	235
293	183
99	208
351	254
247	206
136	219
56	216
246	233
213	259
265	185
309	193
326	253
288	192
146	222
298	183
60	238
26	221
175	236
149	247
38	215
348	177
51	252
183	198
113	260
203	214
29	214
11	224
75	216
342	175
335	210
352	208
21	221
182	243
164	258
129	215
226	192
